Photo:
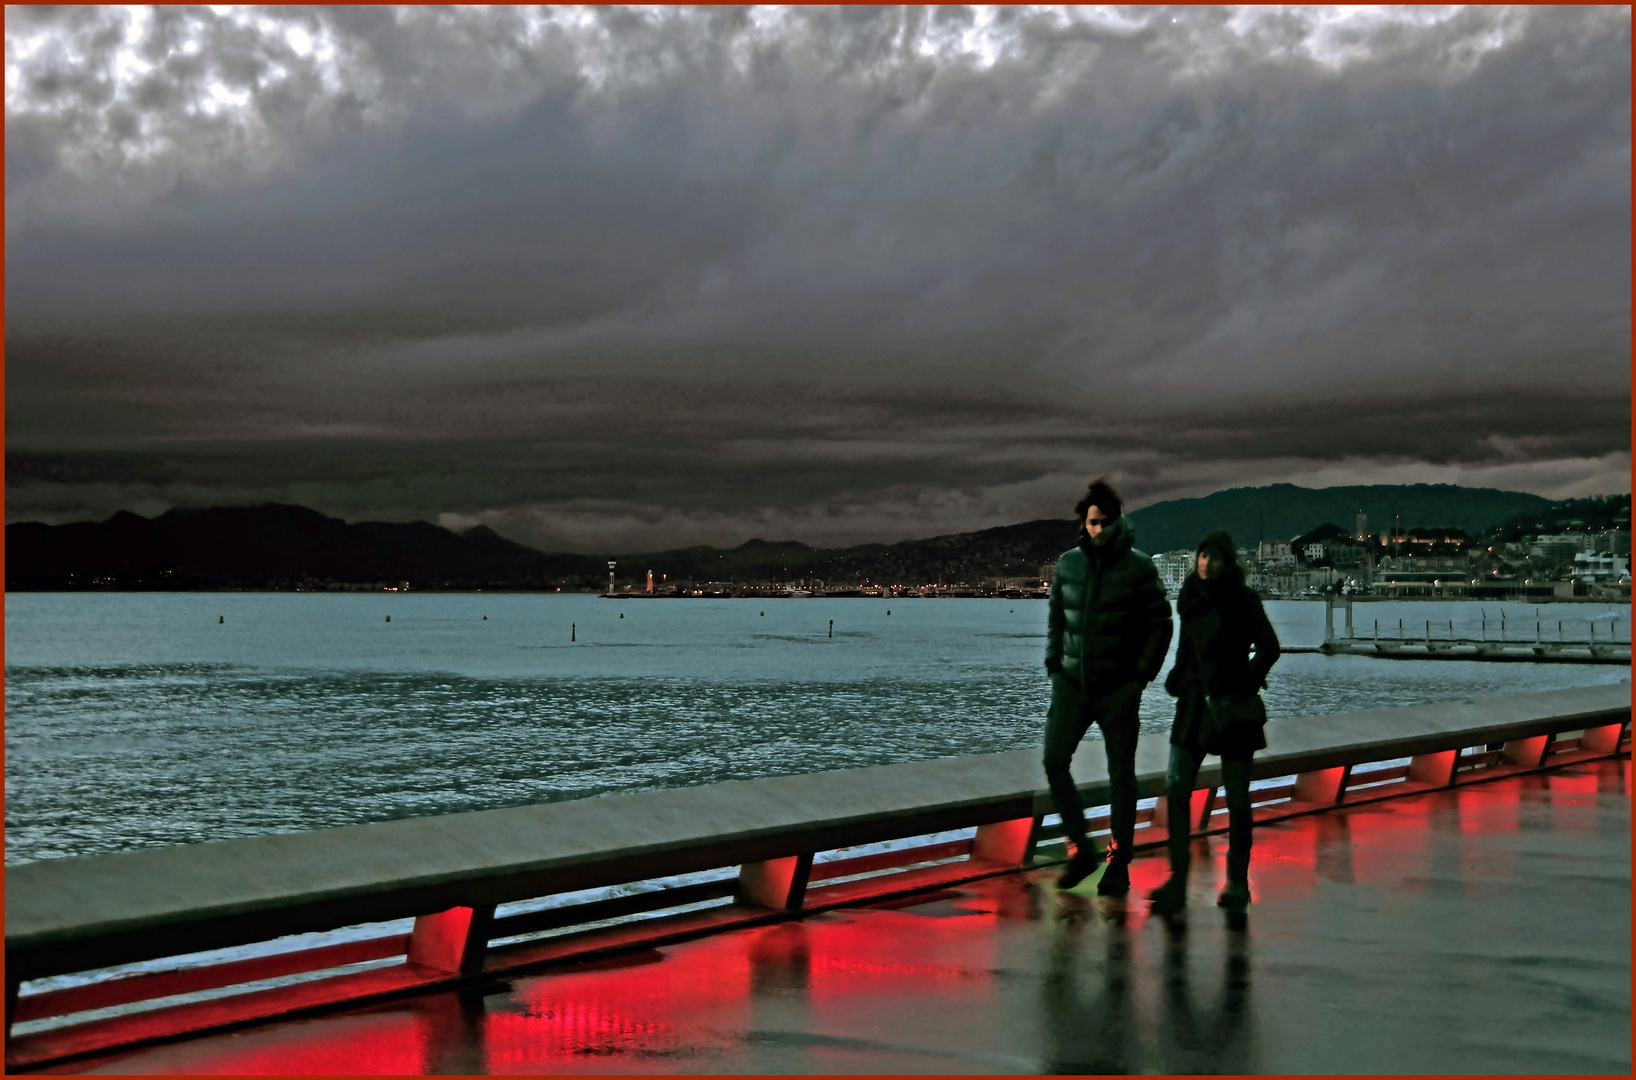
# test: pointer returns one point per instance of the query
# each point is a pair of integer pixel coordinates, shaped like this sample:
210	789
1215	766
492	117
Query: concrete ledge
1321	742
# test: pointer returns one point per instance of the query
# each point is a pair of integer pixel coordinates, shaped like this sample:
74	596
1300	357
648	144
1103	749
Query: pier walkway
1439	888
1601	639
1483	929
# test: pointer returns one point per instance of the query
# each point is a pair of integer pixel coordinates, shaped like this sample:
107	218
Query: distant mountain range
269	546
284	547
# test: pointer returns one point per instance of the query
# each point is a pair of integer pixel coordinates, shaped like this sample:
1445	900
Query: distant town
1506	546
1431	563
1417	563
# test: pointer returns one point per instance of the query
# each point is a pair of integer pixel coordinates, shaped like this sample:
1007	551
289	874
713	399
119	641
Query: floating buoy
763	614
571	628
832	628
888	611
621	614
485	618
389	618
221	618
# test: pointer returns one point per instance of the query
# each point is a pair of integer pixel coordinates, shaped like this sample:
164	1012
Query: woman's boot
1235	898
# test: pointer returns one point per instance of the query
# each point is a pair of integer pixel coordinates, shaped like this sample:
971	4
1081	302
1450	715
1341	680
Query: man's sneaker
1169	898
1115	879
1080	867
1235	898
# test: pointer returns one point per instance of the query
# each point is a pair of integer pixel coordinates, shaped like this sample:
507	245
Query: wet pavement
1480	930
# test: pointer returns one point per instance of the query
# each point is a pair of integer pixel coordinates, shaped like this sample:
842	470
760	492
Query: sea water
144	719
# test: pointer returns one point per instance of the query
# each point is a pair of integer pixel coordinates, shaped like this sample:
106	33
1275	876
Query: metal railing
1500	630
499	891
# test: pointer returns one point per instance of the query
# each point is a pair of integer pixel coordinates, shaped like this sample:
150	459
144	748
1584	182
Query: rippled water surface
140	719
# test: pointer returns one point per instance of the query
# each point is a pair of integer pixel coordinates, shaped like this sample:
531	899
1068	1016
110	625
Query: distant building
1433	541
1347	556
1445	564
1026	583
1314	580
1173	568
1613	541
1597	566
1275	551
1273	579
1419	582
1329	546
1561	548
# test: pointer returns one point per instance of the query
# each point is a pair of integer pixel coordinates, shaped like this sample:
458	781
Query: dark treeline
1591	514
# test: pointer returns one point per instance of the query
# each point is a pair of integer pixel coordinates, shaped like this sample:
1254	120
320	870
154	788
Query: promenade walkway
1479	929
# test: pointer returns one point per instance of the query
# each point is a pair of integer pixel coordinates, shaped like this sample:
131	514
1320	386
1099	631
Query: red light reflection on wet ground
699	1001
655	1007
370	1044
1392	841
1482	929
1573	801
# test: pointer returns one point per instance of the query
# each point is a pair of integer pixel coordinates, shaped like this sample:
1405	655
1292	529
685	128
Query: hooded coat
1109	622
1222	621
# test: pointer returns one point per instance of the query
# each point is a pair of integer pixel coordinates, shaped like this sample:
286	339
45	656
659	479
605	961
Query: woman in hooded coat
1216	682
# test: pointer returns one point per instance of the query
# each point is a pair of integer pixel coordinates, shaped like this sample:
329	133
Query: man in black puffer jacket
1107	633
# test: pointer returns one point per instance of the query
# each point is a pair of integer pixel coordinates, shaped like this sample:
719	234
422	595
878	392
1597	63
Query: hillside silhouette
275	546
1282	511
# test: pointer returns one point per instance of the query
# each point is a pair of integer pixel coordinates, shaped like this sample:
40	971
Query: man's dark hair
1103	495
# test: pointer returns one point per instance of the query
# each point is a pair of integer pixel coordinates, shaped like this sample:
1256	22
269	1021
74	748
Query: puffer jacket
1108	621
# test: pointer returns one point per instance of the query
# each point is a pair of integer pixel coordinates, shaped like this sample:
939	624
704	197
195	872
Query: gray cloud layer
622	276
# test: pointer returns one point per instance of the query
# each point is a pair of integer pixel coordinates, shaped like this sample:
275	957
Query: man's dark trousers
1071	715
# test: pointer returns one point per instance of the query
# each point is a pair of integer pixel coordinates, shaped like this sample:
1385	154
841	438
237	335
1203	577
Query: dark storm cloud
840	274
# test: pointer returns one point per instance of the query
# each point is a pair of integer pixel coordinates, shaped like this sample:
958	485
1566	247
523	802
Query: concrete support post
1202	808
1529	753
453	940
775	883
1321	787
1007	842
1602	739
1435	768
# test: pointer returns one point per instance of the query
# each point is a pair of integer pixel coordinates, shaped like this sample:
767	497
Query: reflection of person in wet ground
1192	1040
1100	1033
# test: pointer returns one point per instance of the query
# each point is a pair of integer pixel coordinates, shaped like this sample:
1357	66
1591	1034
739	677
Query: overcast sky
624	279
